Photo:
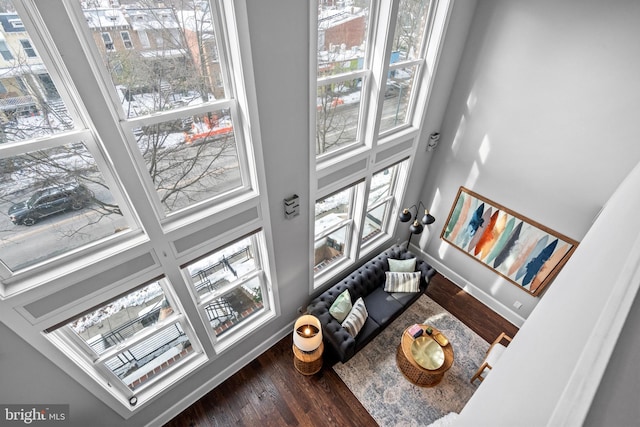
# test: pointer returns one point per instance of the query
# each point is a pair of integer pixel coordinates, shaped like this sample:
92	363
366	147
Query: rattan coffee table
412	370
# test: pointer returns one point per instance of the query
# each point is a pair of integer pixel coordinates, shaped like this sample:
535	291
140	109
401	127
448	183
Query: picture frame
524	252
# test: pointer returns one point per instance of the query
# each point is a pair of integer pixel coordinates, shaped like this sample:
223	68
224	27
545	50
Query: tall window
371	87
52	191
342	71
406	62
119	169
180	118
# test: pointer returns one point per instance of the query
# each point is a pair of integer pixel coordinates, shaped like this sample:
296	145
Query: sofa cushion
368	332
402	282
402	265
341	306
382	307
406	298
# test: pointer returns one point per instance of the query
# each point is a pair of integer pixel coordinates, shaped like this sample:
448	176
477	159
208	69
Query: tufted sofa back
360	283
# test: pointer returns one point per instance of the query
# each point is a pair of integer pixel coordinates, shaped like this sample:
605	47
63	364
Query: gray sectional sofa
383	307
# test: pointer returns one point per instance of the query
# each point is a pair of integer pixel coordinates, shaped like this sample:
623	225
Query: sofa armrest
426	273
341	341
426	270
332	331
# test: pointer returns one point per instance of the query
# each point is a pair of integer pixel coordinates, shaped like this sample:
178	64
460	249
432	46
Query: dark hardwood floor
270	392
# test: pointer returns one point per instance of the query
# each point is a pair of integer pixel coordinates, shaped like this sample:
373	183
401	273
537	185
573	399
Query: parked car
49	201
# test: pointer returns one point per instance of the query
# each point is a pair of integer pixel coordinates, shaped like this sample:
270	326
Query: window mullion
336	78
380	66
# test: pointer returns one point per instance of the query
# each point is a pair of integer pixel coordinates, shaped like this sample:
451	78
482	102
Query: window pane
174	53
396	98
150	357
332	210
54	200
338	107
191	159
410	28
32	106
374	221
119	320
342	36
235	306
381	184
330	248
213	272
27	114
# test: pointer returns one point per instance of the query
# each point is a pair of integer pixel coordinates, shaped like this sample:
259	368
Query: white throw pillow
402	282
356	318
402	265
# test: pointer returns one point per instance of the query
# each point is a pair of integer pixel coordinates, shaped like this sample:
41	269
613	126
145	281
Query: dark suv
49	201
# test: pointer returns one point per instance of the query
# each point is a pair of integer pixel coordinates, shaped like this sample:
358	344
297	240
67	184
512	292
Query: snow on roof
105	18
328	18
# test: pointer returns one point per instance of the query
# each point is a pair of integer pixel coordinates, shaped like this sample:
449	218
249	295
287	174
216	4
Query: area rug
373	376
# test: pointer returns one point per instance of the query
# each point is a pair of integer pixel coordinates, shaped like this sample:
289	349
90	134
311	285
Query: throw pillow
356	318
402	265
341	306
402	282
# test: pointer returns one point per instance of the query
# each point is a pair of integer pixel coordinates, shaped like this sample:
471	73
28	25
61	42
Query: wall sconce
434	138
416	226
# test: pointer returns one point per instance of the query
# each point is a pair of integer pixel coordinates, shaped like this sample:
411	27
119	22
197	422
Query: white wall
549	90
542	120
552	369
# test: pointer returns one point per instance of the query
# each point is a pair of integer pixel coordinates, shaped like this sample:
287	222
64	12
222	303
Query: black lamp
417	226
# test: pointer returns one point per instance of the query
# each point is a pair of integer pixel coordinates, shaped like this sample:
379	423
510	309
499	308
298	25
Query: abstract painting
524	252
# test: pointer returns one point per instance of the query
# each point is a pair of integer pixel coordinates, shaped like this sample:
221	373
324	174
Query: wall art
522	251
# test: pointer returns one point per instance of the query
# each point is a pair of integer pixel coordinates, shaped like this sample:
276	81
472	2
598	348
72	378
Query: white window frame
151	237
126	39
237	332
349	224
16	24
95	364
5	51
375	149
391	200
28	48
108	41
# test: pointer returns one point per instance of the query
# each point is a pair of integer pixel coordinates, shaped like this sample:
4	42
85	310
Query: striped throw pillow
356	318
402	282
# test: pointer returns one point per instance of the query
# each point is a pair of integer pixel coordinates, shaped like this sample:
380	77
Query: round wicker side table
308	363
415	373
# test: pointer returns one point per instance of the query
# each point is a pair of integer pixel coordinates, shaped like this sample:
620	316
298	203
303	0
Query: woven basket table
415	373
308	363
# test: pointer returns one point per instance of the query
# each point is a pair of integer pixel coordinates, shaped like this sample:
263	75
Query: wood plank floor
270	392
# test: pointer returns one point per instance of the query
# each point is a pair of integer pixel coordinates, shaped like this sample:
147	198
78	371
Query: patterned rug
373	377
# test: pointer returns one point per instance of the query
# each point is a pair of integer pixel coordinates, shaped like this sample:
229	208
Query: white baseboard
472	290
